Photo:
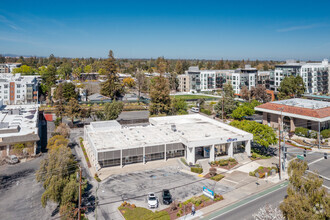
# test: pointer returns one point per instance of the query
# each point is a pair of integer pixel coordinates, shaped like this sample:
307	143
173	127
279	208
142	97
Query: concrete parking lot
134	187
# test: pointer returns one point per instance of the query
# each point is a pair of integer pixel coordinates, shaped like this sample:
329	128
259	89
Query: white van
195	109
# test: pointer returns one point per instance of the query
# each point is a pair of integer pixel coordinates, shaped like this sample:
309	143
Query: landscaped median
174	211
261	171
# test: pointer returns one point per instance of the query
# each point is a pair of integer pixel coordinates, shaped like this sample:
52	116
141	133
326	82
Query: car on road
12	159
152	200
167	198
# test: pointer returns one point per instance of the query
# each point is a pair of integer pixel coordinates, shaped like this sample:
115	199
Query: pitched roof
316	113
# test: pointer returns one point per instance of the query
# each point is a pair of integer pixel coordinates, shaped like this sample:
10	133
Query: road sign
208	192
300	157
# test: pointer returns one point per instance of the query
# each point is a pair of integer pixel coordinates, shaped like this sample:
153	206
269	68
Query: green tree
112	110
48	75
245	93
179	106
24	70
162	65
73	109
112	87
262	134
66	91
227	103
307	198
242	111
76	72
88	69
179	67
160	96
291	87
65	70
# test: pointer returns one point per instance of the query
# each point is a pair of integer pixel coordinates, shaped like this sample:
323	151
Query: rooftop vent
173	128
207	135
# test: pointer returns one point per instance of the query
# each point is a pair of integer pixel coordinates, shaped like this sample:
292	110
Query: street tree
73	109
57	173
262	134
160	96
307	198
291	87
259	93
162	65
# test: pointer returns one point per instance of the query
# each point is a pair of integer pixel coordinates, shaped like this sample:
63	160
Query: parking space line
231	181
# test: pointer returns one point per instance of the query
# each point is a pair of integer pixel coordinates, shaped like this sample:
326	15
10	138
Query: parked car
195	109
12	159
152	201
167	198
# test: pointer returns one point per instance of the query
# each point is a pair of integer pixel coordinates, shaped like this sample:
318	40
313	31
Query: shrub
133	206
124	204
206	111
96	177
196	169
178	214
180	205
128	204
212	171
223	162
300	131
184	161
174	205
325	133
217	177
231	159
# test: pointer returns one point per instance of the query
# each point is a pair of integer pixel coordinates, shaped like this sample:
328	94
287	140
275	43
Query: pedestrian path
198	214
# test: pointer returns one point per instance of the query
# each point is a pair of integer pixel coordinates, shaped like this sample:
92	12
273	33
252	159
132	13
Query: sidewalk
237	195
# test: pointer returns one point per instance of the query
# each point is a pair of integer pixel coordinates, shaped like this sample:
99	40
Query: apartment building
208	80
8	67
17	89
315	75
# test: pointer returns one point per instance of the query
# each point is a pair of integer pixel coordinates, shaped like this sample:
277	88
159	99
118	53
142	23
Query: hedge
325	133
304	132
196	169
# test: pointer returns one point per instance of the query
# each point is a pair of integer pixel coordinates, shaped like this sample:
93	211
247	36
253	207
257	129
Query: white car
152	200
195	109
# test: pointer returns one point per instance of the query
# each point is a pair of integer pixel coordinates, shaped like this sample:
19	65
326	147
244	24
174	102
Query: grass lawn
139	213
191	97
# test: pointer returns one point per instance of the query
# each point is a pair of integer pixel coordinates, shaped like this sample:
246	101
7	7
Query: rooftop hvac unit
173	127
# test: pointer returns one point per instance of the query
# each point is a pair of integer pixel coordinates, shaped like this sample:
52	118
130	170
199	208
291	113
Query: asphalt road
252	204
247	210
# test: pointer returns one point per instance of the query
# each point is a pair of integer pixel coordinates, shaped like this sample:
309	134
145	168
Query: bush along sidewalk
84	151
225	163
261	171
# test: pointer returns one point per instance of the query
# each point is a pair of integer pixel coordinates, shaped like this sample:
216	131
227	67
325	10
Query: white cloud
303	27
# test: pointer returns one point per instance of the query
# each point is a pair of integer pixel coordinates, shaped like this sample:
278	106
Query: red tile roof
316	113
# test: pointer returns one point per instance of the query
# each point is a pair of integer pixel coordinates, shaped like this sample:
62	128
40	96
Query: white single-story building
193	136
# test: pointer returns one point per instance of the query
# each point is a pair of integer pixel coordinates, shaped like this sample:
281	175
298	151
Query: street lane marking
315	161
324	177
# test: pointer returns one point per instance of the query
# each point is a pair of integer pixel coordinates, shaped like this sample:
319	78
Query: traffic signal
305	153
325	155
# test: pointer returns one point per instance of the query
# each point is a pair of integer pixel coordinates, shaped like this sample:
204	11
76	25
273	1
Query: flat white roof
304	103
27	119
191	130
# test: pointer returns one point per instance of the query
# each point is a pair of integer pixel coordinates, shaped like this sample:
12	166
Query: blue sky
276	30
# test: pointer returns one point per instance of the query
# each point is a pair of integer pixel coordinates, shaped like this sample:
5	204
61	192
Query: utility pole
223	102
79	204
319	135
279	146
